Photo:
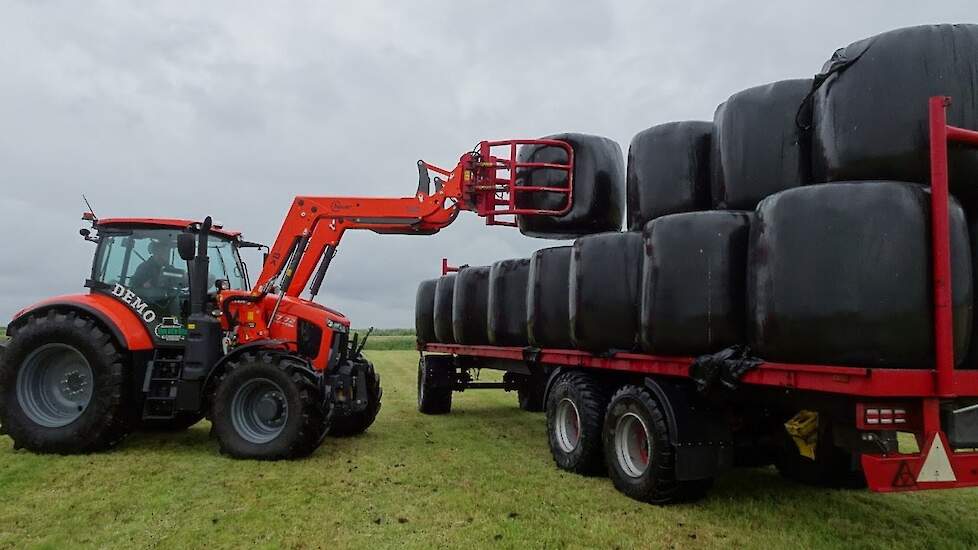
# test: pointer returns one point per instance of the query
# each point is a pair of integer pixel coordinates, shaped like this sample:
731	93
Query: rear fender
698	432
118	319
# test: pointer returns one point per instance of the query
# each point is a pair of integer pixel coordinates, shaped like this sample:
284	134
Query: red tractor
171	329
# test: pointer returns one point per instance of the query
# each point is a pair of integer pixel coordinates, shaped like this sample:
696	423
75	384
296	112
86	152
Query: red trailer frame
903	400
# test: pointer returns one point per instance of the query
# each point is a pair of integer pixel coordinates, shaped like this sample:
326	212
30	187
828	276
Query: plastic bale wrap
871	110
605	276
758	146
470	310
424	311
598	188
694	283
507	302
444	306
548	298
841	274
668	171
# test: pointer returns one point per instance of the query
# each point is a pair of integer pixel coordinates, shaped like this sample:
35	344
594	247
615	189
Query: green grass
389	339
479	477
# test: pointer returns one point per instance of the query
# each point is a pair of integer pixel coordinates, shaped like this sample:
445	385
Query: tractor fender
118	319
701	437
267	345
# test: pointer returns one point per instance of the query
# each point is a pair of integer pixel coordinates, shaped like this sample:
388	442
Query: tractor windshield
145	261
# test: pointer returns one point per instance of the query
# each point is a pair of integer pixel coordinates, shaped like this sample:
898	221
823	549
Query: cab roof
167	223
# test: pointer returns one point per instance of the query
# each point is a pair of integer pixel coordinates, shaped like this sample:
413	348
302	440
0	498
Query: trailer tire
575	411
74	353
641	459
434	393
531	397
263	409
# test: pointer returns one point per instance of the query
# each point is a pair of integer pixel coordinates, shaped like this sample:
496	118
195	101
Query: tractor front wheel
264	409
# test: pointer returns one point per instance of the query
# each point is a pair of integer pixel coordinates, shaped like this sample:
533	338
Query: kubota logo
129	298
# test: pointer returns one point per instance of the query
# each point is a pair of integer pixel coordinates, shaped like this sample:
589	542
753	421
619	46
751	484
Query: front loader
171	330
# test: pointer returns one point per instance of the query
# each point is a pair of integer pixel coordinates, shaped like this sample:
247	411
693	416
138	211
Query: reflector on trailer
937	465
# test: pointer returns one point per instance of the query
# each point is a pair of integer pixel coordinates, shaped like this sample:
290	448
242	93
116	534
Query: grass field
480	477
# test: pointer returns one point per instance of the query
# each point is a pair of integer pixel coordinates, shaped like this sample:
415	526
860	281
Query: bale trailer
665	427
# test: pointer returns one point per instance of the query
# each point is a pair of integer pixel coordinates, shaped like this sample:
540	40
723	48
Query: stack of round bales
796	222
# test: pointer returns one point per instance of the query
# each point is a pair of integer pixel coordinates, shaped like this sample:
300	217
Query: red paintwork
134	333
918	390
477	183
252	324
170	223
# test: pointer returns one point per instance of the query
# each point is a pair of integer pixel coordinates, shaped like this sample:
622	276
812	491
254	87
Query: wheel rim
54	385
259	410
567	425
633	446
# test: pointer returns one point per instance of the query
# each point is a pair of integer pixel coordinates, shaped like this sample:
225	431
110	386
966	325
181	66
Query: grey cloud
189	109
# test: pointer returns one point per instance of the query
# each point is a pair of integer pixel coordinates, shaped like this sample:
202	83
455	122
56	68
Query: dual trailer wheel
592	429
65	388
624	433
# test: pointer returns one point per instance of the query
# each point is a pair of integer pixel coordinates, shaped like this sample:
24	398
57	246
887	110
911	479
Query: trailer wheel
265	410
64	386
575	411
640	458
434	385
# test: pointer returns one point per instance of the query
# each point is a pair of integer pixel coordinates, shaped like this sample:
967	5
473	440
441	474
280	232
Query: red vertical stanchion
941	247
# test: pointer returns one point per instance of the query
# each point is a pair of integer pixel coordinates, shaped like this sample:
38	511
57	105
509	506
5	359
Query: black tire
575	412
531	396
109	413
641	460
294	429
357	423
182	421
832	466
434	385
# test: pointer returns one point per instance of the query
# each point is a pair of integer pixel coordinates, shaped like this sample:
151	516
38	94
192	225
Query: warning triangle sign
937	465
904	477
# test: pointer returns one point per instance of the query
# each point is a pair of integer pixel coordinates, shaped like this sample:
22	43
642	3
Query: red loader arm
481	182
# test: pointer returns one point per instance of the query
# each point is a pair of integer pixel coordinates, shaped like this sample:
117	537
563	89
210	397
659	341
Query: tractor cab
137	262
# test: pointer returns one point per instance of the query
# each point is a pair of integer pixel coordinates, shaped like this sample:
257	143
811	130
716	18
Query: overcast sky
227	109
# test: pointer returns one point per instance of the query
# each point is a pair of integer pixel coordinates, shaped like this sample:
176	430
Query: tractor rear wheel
64	386
264	409
356	423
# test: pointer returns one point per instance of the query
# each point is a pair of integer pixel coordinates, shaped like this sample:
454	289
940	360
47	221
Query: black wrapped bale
870	114
599	188
424	311
668	171
694	283
841	274
470	310
507	302
444	298
547	299
758	148
605	274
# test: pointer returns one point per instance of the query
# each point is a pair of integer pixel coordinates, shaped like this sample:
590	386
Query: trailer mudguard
118	318
703	442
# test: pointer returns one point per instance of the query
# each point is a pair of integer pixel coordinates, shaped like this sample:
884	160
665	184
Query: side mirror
186	244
